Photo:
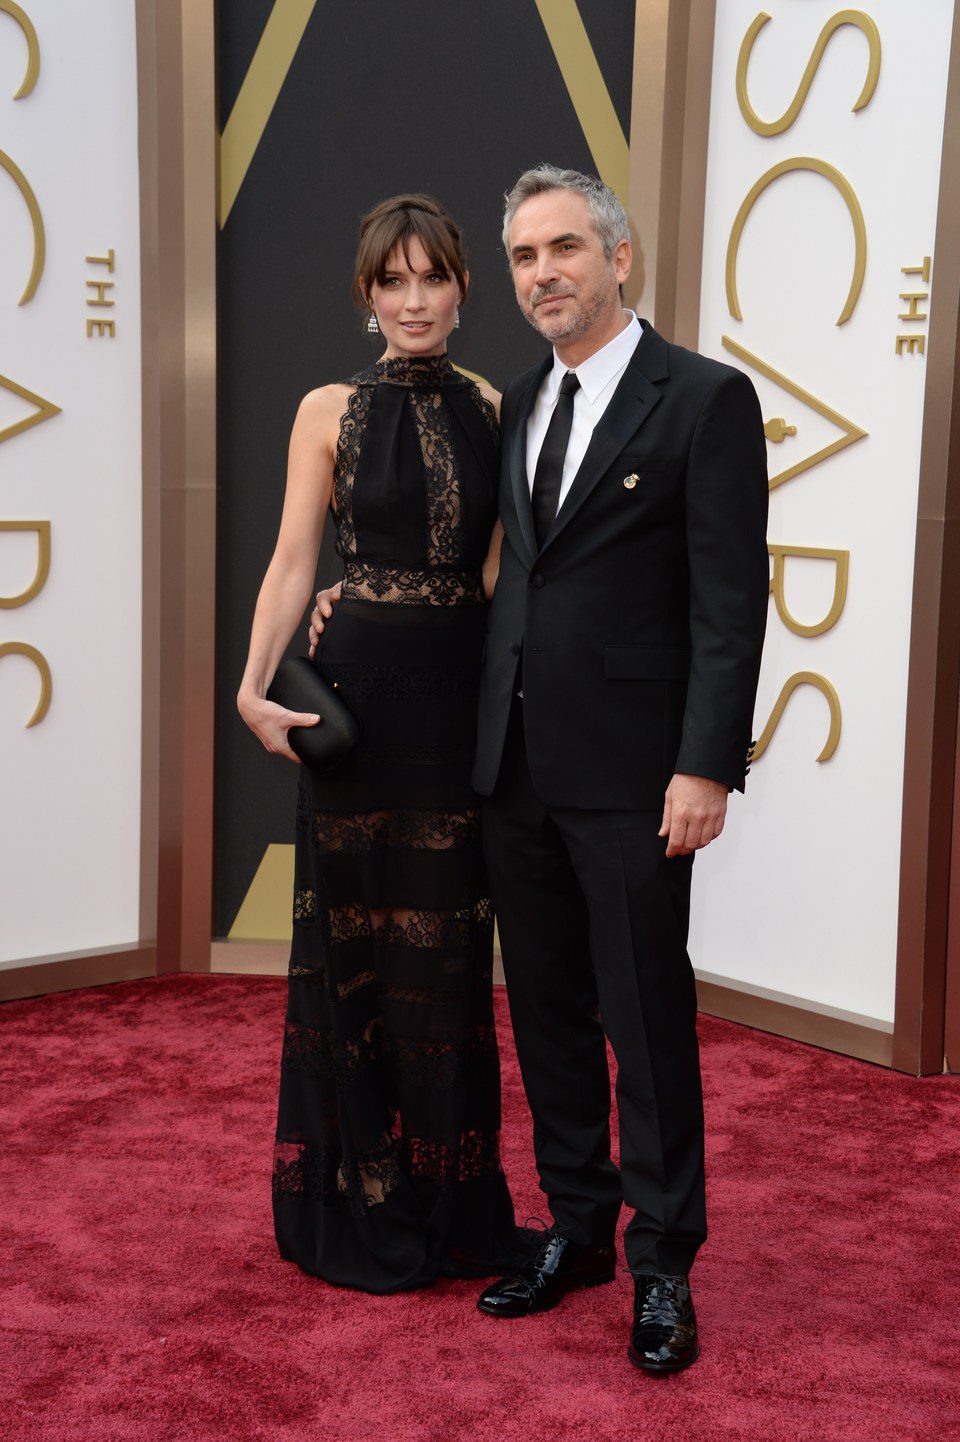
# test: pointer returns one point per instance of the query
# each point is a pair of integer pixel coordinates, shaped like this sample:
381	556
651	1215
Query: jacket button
536	580
514	648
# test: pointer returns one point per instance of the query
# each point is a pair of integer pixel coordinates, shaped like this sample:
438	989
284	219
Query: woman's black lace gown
387	1168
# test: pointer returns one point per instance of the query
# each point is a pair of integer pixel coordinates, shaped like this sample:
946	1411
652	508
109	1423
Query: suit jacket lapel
517	457
630	405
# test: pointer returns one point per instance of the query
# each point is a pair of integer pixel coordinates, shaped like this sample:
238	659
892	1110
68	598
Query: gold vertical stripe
258	95
588	91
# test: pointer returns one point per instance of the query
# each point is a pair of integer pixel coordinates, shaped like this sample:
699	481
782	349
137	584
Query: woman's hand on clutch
326	600
270	723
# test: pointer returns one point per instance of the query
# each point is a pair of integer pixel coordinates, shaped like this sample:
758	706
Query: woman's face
415	304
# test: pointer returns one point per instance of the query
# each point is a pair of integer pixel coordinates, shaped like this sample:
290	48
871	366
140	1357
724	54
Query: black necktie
549	473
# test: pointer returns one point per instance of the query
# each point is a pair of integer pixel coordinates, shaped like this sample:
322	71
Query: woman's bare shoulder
326	400
321	411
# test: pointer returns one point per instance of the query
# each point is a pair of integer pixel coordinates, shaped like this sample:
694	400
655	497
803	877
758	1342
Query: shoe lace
529	1271
662	1299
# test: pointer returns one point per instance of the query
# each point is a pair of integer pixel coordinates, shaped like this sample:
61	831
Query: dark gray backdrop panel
455	97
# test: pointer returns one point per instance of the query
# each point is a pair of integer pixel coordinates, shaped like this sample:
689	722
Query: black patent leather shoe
664	1335
558	1266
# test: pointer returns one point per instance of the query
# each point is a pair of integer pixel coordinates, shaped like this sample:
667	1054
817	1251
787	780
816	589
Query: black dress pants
593	922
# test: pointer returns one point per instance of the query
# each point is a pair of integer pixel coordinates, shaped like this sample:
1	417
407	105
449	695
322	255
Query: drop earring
373	325
456	319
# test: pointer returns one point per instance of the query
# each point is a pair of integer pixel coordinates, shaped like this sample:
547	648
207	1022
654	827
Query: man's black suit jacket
636	631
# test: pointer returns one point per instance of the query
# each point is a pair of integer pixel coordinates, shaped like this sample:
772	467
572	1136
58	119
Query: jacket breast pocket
644	465
646	663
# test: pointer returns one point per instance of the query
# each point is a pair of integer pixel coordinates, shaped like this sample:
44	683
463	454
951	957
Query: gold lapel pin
630	482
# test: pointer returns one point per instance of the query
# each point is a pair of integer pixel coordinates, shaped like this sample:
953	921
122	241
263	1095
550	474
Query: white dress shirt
599	376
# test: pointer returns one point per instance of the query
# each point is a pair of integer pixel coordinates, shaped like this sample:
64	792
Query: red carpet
143	1297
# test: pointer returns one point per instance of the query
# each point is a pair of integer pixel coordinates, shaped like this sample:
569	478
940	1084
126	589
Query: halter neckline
426	370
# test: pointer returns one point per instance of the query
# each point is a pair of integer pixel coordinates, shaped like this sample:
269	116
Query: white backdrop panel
800	896
70	825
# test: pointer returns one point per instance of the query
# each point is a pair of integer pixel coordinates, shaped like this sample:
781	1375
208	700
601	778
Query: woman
387	1171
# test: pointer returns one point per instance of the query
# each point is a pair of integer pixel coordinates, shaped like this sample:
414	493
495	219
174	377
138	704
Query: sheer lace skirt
387	1152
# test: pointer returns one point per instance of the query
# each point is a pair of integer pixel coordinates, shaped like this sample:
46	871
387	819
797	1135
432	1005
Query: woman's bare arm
491	566
288	582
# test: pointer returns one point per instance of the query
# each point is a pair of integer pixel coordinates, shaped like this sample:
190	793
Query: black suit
635	634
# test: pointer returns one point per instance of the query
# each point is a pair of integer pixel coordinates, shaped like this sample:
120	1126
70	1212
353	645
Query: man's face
564	282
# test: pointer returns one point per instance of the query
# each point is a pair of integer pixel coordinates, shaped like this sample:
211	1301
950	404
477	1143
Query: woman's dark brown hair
395	222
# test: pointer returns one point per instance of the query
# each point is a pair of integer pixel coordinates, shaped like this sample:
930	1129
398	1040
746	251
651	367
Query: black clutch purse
300	686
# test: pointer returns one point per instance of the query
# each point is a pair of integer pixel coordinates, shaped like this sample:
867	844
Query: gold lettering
803	678
829	172
856	18
914	344
923	271
101	287
106	260
21	648
11	8
841	560
42	529
45	409
913	298
851	432
36	219
776	430
103	326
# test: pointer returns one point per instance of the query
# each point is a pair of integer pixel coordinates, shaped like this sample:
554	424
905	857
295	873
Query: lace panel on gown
426	390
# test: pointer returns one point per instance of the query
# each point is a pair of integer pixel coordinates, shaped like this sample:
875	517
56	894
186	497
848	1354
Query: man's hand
693	813
326	600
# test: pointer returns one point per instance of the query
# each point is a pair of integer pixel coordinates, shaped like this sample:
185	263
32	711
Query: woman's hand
270	723
326	600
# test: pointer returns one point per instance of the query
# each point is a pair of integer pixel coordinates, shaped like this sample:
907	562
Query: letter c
830	172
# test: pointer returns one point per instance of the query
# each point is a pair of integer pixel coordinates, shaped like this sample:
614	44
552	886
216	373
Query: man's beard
577	322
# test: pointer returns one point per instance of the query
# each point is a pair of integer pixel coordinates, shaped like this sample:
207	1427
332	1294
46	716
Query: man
620	673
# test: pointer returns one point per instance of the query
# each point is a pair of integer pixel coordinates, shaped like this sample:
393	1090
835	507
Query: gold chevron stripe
588	91
267	909
258	95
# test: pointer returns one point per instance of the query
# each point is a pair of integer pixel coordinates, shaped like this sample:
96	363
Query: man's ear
623	260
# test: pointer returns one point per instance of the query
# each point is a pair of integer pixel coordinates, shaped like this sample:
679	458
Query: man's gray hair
607	214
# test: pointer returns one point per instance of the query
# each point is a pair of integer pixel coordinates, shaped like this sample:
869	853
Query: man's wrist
698	776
